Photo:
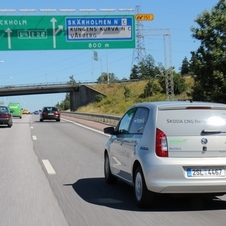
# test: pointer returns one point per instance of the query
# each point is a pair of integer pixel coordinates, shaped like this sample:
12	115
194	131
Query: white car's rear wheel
144	197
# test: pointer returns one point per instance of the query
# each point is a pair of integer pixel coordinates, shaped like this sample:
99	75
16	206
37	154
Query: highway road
51	174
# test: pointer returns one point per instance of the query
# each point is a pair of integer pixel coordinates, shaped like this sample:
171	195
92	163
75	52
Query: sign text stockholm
54	32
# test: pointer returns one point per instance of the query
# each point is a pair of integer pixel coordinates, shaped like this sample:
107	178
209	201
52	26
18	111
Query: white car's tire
143	196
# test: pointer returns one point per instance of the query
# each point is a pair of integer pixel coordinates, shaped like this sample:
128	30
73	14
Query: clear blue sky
35	67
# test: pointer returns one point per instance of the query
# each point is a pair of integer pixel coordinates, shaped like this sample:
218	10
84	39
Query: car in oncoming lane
5	116
50	113
169	147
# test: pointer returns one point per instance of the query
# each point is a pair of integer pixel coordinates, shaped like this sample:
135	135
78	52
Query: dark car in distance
5	116
49	113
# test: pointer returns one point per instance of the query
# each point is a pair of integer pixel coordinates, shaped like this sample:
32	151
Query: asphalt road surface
52	174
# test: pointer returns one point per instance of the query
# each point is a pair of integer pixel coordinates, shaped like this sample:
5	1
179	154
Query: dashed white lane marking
48	166
34	137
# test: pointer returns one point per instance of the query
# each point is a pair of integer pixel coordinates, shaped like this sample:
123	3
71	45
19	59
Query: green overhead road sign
67	32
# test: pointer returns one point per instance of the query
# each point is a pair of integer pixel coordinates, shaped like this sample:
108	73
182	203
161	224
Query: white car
169	147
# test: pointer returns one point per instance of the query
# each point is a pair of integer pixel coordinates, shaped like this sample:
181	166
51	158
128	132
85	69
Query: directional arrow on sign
8	31
60	28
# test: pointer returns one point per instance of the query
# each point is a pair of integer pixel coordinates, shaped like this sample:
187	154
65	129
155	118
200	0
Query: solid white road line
86	127
48	167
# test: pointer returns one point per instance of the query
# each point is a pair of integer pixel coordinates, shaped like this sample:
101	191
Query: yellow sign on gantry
144	17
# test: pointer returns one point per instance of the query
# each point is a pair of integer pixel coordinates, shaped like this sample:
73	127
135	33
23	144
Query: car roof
180	104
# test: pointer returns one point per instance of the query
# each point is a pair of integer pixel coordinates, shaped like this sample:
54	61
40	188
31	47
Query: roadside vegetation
121	95
201	78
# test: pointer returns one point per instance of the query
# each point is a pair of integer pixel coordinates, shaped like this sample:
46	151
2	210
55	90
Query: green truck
15	109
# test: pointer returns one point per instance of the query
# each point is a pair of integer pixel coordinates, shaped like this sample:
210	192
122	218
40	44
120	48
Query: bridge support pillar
72	100
84	96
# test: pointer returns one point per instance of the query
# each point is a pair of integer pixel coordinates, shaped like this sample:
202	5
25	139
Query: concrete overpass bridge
80	94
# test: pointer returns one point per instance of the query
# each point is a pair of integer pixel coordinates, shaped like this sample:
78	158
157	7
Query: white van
175	147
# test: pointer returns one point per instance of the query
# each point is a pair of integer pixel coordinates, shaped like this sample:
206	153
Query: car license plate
50	113
206	172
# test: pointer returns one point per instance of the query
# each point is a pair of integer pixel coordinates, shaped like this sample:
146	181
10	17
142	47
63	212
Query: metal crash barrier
106	119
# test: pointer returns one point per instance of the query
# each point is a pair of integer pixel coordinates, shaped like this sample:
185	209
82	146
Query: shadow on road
121	196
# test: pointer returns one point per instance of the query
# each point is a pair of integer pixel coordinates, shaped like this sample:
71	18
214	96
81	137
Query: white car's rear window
191	121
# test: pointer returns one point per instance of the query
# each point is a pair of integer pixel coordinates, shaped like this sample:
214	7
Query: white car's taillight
161	144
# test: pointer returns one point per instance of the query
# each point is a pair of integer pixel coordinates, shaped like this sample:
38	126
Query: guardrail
106	119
